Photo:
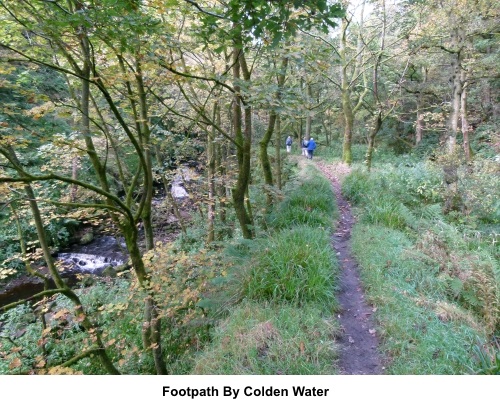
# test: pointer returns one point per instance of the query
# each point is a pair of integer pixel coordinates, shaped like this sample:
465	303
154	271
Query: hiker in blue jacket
310	148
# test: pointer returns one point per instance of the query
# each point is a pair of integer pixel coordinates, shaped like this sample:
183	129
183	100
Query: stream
93	258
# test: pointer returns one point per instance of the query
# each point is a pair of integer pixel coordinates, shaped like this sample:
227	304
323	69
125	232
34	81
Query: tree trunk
264	143
307	135
147	189
464	121
74	176
346	98
264	158
278	152
419	126
244	145
456	96
222	190
211	180
419	129
377	123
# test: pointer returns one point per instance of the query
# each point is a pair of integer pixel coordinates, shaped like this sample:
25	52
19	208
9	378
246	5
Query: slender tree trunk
377	123
307	134
146	147
74	175
419	130
457	88
419	126
222	191
464	121
264	158
346	97
278	152
211	179
264	143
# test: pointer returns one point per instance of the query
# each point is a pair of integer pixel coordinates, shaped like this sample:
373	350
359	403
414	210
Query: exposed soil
358	342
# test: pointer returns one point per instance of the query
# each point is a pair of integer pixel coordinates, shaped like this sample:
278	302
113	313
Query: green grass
287	281
296	265
422	332
433	278
309	201
271	339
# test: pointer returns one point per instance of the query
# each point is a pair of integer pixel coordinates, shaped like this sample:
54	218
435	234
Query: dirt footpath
358	342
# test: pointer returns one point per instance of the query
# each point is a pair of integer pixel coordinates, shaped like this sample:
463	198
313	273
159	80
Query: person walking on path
289	144
304	146
310	148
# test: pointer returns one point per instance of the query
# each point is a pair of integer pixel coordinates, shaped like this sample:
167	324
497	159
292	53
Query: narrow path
358	343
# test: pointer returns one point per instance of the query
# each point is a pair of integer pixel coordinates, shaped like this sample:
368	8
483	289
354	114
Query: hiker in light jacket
310	148
288	143
304	146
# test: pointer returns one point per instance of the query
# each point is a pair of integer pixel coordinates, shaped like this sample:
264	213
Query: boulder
87	238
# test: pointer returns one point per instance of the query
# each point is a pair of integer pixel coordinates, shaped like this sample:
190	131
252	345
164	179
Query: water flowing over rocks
93	258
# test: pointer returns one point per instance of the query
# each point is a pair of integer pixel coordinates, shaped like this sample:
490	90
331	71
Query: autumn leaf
15	363
63	371
80	318
41	364
61	313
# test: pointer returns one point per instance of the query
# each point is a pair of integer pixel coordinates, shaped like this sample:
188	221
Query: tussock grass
295	265
433	278
286	283
271	339
422	332
309	201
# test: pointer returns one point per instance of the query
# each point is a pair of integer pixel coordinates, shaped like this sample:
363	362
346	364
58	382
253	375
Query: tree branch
38	295
194	3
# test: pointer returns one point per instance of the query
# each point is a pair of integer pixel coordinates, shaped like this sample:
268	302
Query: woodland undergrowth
434	277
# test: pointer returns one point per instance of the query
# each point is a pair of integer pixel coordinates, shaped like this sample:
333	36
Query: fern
432	213
486	290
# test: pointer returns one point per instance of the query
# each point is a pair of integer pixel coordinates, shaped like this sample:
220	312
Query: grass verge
434	282
286	281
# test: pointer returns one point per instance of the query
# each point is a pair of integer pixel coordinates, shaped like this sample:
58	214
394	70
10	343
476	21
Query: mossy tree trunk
211	159
464	122
243	138
278	153
377	123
